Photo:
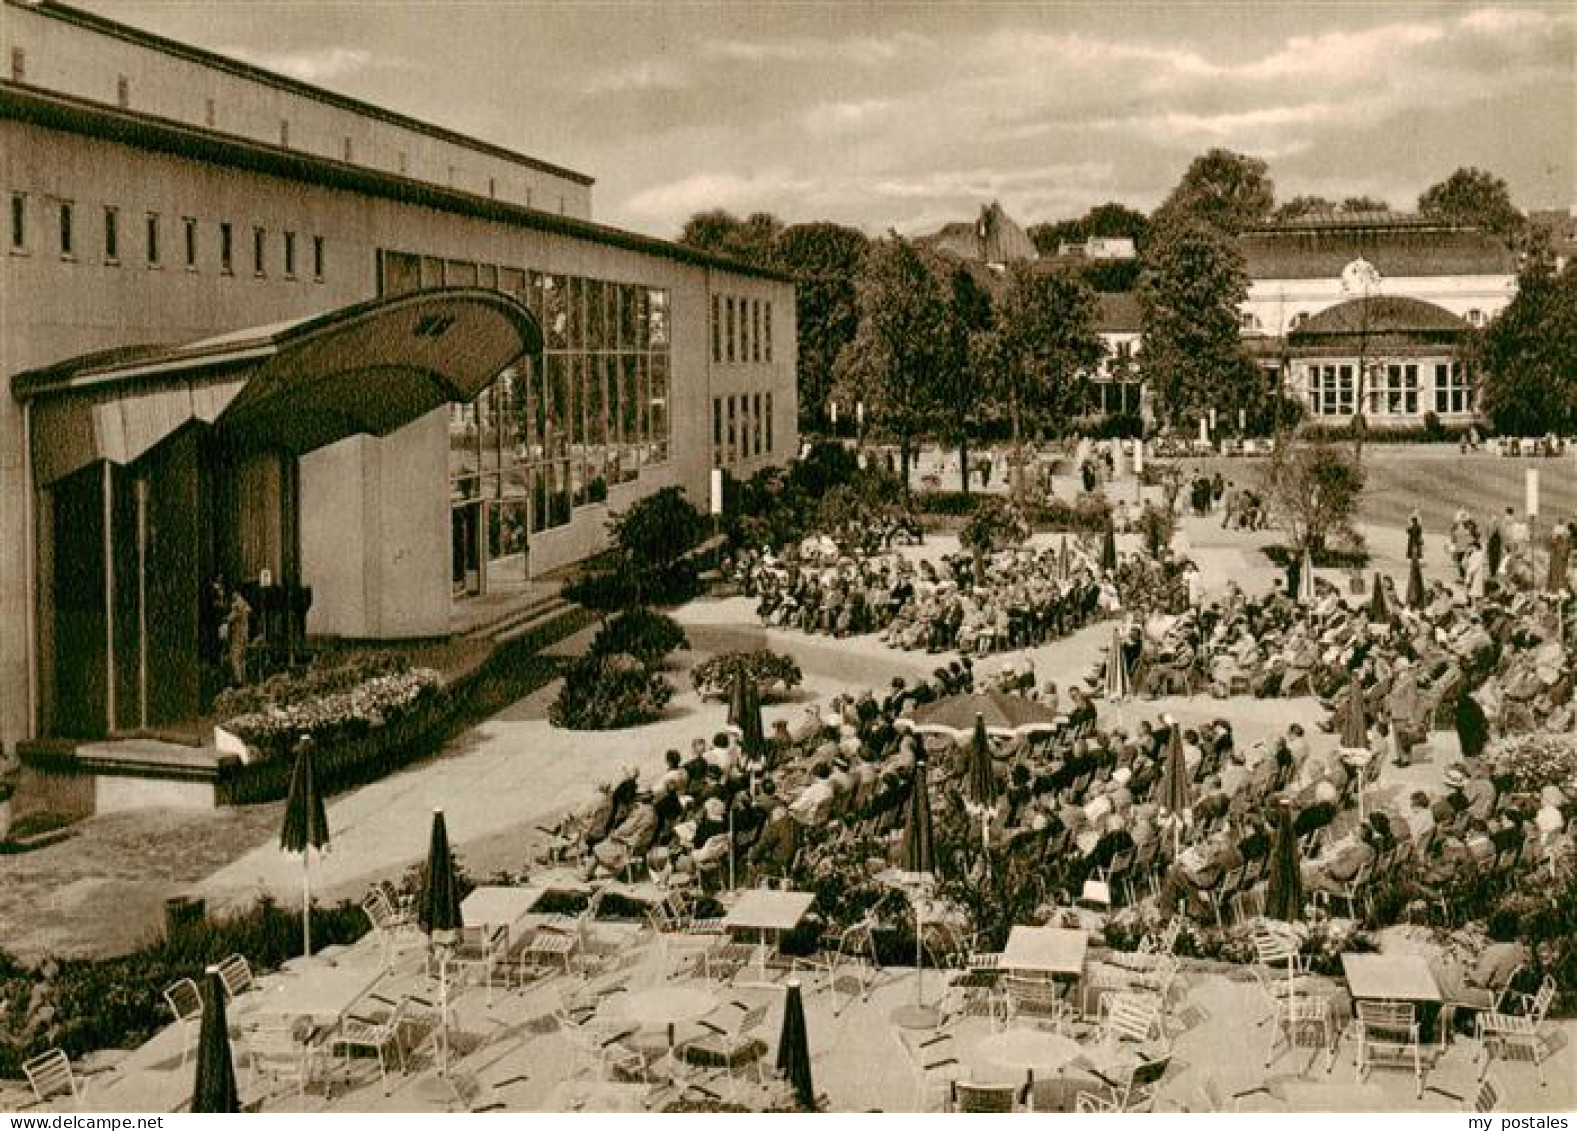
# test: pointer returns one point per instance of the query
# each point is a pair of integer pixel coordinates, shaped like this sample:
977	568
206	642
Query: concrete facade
375	514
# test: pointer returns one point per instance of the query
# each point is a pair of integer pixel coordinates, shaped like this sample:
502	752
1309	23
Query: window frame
189	241
226	248
112	235
65	214
18	241
290	254
153	238
259	251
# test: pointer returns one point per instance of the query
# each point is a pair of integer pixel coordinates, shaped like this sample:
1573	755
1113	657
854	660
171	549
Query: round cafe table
1027	1050
664	1005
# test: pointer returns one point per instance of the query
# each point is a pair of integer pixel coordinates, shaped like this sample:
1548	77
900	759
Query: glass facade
547	438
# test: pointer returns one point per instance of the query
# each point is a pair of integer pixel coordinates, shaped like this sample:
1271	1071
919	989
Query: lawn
1437	481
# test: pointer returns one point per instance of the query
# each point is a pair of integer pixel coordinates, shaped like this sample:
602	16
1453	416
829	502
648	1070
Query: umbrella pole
731	884
306	901
919	956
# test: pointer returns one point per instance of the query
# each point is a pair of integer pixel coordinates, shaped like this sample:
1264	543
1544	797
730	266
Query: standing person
1415	538
1472	726
1461	540
1218	489
1495	549
1475	571
985	470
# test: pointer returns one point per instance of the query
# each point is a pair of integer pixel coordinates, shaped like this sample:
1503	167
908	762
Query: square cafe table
499	907
1394	977
322	994
763	910
1045	950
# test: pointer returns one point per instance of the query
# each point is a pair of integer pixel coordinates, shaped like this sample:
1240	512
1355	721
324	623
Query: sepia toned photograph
781	556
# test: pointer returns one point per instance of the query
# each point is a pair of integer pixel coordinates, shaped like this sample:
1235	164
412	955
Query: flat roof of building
105	26
53	110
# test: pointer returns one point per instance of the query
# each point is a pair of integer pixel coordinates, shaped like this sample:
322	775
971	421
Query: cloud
316	65
646	75
1501	21
865	51
676	200
843	116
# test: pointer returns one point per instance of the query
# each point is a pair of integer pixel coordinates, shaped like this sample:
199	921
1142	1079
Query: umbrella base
916	1017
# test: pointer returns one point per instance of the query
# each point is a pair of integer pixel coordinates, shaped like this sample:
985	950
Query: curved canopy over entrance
168	494
295	386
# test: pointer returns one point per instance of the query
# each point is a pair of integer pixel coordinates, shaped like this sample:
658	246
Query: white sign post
717	491
1531	492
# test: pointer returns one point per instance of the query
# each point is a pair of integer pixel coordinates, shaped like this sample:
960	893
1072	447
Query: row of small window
741	428
1251	323
68	235
575	313
1391	390
741	329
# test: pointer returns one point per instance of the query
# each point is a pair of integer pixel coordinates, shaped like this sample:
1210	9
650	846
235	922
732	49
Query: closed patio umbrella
306	827
982	782
918	868
214	1088
1560	555
438	912
1117	685
1355	720
1306	592
1173	793
1415	584
794	1049
1284	891
1379	612
1109	550
753	739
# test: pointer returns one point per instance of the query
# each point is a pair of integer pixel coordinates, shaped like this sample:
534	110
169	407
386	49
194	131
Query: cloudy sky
907	115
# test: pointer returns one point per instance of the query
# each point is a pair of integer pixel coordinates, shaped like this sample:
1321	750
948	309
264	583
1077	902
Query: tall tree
1050	236
1193	283
1044	336
901	349
1365	204
1226	190
1474	197
825	260
961	391
1300	206
1114	219
719	232
1529	355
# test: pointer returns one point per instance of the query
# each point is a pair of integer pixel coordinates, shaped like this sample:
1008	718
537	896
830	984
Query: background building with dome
1392	297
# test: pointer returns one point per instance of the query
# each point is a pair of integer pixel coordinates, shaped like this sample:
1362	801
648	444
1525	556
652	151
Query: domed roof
1383	314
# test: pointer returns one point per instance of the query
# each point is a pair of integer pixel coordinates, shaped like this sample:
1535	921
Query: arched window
1475	317
1249	322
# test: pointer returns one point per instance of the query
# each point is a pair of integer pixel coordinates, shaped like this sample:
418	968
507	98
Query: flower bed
337	716
1538	760
609	693
773	673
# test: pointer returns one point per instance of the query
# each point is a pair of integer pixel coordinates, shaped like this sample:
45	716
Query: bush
1314	490
946	502
1090	514
653	538
1156	527
84	1005
642	633
609	693
714	678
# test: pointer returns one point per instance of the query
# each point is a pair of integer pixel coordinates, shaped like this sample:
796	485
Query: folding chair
1389	1029
186	1002
984	1099
1521	1029
1135	1092
50	1075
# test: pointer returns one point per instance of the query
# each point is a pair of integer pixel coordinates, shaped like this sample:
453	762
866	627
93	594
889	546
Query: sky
909	115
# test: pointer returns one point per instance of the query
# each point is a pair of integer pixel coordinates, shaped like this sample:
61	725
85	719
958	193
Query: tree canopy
1474	197
825	260
1226	190
1193	283
902	346
719	232
1110	219
1529	355
1044	336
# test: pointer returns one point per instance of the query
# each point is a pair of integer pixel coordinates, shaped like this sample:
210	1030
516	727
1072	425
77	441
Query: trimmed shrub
771	671
642	633
946	502
609	693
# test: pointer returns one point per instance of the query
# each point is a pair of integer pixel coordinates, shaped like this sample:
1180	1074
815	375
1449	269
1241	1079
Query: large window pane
506	544
575	303
555	312
596	321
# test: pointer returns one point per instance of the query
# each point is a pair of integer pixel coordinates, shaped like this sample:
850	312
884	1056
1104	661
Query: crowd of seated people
1023	598
1010	600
